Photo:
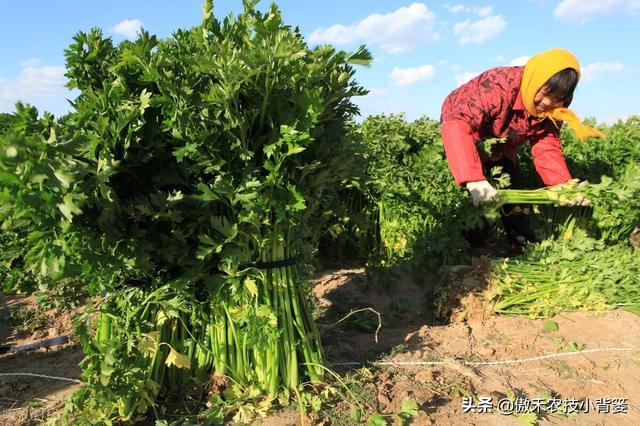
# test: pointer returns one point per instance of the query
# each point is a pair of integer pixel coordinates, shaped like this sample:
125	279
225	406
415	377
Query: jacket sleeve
462	154
464	112
549	159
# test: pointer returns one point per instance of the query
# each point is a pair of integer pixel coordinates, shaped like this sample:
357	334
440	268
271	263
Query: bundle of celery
561	195
186	183
573	274
614	205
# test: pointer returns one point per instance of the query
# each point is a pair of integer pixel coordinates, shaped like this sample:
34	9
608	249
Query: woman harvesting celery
517	104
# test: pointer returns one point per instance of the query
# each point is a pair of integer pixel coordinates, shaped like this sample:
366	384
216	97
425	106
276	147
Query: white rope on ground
392	363
480	363
40	376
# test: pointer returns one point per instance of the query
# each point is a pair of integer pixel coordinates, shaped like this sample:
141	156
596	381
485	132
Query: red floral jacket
490	106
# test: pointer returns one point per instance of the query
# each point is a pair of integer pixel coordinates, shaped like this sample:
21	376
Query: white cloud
456	8
399	31
409	76
30	63
479	31
497	58
464	77
34	84
480	11
378	93
519	61
596	70
578	12
335	34
483	11
128	28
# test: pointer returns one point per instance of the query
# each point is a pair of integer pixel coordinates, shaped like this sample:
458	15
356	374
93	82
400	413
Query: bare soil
473	334
538	363
30	400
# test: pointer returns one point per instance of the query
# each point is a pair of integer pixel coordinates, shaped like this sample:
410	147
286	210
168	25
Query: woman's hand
482	192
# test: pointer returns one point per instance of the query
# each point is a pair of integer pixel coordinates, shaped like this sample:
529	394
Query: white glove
482	192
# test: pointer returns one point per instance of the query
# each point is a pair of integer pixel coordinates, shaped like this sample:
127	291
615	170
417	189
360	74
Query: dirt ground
30	400
608	367
444	366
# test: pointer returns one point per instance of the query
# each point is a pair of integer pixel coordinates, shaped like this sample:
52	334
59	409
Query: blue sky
422	50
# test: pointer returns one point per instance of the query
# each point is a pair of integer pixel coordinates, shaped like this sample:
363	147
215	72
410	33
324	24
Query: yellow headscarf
538	70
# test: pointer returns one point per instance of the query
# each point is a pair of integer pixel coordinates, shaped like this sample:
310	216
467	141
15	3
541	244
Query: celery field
193	213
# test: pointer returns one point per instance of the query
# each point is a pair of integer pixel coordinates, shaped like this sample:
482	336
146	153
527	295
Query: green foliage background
187	161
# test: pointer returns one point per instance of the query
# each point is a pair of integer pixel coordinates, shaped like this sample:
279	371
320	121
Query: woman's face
545	101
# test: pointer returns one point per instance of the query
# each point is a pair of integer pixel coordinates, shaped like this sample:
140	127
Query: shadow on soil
351	300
